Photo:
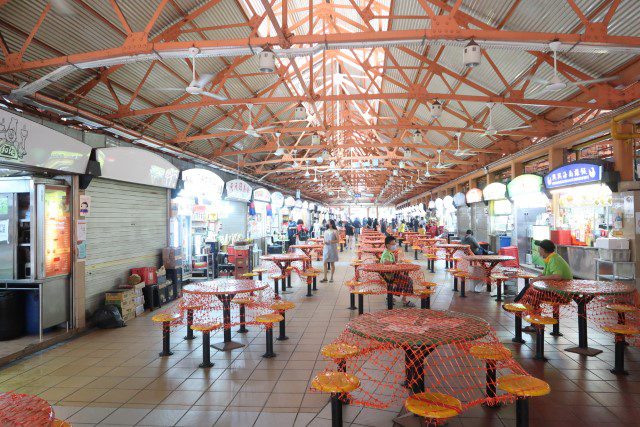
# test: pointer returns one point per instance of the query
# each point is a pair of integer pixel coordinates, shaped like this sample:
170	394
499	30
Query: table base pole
227	346
587	351
352	302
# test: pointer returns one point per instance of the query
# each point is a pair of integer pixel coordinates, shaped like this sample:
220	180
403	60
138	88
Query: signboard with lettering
523	185
289	202
474	196
202	183
494	191
459	200
571	174
238	189
261	195
277	200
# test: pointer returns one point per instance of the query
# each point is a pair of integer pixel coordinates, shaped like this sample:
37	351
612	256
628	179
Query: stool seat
353	283
356	263
536	319
289	268
252	274
339	350
206	327
335	382
243	301
308	274
313	270
461	274
523	385
191	306
282	305
428	284
415	247
424	292
490	352
260	270
516	307
526	276
166	317
363	291
433	405
431	256
278	276
60	423
622	329
621	308
452	270
499	277
269	318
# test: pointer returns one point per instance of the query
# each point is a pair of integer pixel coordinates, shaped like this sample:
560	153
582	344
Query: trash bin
11	315
505	241
32	313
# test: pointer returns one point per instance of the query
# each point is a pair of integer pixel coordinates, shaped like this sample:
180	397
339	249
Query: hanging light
319	159
407	153
307	174
332	165
427	173
315	139
266	61
417	137
436	109
472	54
315	175
300	113
296	164
401	164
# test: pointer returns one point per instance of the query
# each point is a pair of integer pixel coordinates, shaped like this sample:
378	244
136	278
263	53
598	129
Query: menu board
57	231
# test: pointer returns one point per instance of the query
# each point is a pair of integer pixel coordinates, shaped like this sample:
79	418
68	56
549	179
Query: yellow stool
517	309
206	329
338	384
311	276
621	310
281	306
490	353
339	353
60	423
433	407
361	291
268	320
276	279
621	331
425	293
499	279
523	387
166	319
190	308
462	276
260	270
243	303
539	323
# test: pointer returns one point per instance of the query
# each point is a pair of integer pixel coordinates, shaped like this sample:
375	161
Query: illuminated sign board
524	184
474	195
571	174
239	190
136	165
495	191
261	195
459	200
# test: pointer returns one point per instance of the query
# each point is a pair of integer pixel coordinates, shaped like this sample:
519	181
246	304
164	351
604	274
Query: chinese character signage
239	190
573	174
261	195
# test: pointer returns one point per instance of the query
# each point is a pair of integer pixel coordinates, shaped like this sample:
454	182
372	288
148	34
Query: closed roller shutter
127	229
234	220
481	222
464	219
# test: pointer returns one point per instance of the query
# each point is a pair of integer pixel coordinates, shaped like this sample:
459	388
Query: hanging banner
277	200
202	183
27	143
576	173
290	202
136	165
494	191
474	196
261	195
523	185
239	190
459	200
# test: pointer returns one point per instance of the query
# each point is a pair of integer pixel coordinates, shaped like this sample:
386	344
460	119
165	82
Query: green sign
4	205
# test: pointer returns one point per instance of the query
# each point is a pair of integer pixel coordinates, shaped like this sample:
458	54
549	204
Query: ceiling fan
459	152
441	165
250	130
491	129
196	87
556	83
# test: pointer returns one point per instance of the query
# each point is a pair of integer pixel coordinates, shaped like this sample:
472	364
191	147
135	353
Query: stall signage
495	191
202	182
238	189
448	201
277	200
24	142
459	200
261	195
474	196
524	185
305	205
573	174
135	165
289	202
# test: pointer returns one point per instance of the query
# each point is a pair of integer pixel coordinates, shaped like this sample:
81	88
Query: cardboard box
611	243
172	257
139	310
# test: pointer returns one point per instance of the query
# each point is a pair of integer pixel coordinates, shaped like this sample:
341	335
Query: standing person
357	225
383	226
349	232
330	250
403	227
302	232
402	283
317	232
375	224
292	231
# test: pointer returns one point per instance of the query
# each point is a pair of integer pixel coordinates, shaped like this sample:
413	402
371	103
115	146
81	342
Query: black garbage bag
108	317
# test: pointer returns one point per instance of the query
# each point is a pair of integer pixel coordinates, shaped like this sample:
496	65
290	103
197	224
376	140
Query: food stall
449	215
260	214
463	214
479	217
581	199
531	211
500	215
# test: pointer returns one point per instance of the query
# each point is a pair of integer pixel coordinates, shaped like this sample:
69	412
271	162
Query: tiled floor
115	377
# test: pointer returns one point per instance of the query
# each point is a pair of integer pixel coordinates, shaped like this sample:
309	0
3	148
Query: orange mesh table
407	238
418	332
391	274
581	292
376	252
282	261
18	409
487	263
225	289
308	249
452	248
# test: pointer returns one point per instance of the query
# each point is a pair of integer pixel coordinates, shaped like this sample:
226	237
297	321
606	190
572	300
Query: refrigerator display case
35	243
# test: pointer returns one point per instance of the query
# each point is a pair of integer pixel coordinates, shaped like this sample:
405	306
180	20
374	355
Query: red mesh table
282	261
308	249
407	238
376	252
452	248
373	243
18	409
391	274
582	292
487	263
225	290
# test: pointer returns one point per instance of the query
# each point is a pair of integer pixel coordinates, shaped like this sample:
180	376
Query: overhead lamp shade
332	165
401	164
300	113
395	172
266	61
315	139
407	153
319	159
307	174
417	137
436	109
296	164
375	163
472	54
279	151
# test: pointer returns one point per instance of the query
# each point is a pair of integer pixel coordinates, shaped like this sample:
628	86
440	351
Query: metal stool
621	331
539	323
490	353
433	407
281	307
523	387
166	319
336	383
206	329
517	309
268	320
243	303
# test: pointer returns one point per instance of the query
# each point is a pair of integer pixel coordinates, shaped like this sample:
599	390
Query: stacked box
124	299
139	298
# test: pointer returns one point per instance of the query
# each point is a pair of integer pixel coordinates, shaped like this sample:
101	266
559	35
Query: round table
582	292
377	252
487	263
452	248
24	409
374	243
386	272
407	238
225	290
308	249
418	332
282	261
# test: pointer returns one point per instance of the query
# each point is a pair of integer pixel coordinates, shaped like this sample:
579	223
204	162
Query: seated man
468	239
555	267
402	283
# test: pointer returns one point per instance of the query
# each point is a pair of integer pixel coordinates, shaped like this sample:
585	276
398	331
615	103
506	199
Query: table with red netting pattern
18	409
225	290
393	346
487	263
283	261
583	292
398	278
376	252
308	249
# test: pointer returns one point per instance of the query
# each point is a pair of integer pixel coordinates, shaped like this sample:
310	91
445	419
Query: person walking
349	232
357	225
301	231
330	250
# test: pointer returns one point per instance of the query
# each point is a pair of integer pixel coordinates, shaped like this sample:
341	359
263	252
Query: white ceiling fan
459	152
196	87
556	83
491	129
250	130
441	165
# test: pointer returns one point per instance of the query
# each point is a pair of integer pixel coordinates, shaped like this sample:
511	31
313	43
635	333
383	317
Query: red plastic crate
561	237
510	251
149	275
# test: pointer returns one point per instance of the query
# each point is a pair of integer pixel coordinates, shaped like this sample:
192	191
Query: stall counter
582	260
